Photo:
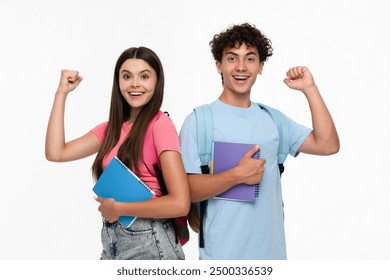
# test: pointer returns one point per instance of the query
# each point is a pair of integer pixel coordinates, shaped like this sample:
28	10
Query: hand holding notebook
228	155
118	182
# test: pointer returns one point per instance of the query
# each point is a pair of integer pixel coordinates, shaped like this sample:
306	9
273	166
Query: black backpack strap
163	187
281	168
202	210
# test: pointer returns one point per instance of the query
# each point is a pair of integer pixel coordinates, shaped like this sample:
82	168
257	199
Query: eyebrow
143	71
236	54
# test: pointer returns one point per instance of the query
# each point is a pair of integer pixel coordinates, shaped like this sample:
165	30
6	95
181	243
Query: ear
219	67
261	68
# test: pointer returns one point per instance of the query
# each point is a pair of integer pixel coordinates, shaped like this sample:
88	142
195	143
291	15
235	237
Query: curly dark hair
240	34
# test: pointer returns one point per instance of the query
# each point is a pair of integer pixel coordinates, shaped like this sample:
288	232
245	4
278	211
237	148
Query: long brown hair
131	150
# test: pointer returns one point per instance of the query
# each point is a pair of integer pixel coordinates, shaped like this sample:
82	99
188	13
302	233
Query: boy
244	230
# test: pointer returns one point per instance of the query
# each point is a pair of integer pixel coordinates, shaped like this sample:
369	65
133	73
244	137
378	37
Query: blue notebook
226	156
119	182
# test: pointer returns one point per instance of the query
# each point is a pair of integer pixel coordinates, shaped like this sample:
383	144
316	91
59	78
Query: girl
135	125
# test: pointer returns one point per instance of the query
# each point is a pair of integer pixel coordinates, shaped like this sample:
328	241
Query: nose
240	67
134	82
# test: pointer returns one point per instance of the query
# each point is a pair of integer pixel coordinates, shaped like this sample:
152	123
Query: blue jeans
145	239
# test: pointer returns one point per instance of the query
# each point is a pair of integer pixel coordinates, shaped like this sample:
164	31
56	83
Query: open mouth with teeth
240	78
135	93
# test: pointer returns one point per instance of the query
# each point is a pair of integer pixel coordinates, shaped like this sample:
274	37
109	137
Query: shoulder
163	133
100	130
161	120
162	126
266	107
190	119
275	114
101	126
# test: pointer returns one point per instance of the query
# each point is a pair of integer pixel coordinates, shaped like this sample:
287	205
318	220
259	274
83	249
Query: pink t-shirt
161	134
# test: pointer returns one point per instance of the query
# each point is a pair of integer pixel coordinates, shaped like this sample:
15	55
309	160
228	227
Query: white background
336	207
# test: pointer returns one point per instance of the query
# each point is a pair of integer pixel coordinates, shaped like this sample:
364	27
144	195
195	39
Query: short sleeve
297	135
100	131
165	136
189	145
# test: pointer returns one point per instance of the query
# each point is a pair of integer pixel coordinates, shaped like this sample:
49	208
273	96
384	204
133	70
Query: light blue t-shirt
239	230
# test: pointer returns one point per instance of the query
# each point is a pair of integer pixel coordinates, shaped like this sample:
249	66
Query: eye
144	77
231	59
251	59
125	76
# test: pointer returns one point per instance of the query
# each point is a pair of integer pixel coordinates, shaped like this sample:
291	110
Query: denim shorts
145	239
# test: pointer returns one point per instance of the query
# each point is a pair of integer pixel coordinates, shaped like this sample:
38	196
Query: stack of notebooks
226	156
118	182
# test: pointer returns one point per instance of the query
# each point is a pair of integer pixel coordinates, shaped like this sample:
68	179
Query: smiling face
239	68
137	82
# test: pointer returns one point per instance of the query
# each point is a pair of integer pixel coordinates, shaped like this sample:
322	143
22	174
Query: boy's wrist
310	90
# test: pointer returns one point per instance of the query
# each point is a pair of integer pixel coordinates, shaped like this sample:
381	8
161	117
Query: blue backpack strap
205	137
282	126
204	123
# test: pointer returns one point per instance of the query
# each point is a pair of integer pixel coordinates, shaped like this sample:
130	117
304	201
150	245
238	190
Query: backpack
180	223
204	121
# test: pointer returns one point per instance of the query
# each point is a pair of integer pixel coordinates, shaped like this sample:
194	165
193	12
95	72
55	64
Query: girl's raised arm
56	149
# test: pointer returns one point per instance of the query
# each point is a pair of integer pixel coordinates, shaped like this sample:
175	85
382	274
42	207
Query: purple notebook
226	156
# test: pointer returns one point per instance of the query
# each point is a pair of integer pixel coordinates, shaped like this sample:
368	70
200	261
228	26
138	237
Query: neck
242	101
133	115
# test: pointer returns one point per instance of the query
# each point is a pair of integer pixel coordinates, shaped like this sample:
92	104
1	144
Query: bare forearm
324	130
161	207
204	186
55	134
324	139
56	147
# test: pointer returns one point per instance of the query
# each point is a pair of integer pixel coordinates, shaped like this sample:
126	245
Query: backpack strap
204	123
282	126
205	137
